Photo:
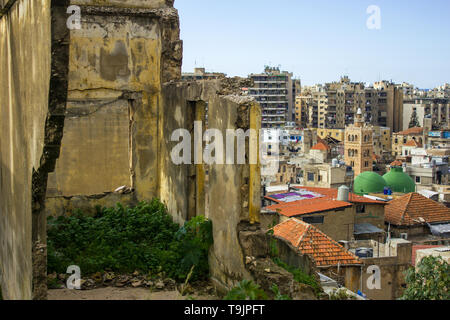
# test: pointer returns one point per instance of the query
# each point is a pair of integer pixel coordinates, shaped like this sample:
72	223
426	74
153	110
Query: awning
366	228
441	230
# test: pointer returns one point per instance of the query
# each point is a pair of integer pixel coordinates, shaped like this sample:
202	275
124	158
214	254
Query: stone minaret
359	145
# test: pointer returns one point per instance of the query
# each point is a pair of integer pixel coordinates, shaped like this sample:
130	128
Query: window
418	179
361	208
314	220
320	178
310	176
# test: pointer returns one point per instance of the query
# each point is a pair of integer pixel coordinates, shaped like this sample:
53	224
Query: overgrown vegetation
341	294
248	290
431	280
300	276
142	238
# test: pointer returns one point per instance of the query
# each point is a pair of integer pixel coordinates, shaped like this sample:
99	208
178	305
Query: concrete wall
240	200
118	61
31	68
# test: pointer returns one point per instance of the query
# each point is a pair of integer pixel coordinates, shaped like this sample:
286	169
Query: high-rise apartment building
334	105
275	91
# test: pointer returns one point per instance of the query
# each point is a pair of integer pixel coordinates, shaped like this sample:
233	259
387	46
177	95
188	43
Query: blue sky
319	40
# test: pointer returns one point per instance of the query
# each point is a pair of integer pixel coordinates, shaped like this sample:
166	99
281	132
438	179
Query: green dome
369	182
399	181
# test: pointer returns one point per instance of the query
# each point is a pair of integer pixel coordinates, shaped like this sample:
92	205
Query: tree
431	280
414	122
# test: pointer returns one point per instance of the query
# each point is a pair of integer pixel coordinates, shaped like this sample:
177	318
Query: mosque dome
399	181
369	182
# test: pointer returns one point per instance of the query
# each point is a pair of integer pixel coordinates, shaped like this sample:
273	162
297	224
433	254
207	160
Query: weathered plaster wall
30	135
228	206
118	61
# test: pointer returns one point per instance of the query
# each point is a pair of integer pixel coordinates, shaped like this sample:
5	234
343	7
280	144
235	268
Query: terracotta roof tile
397	163
411	131
407	211
412	143
309	240
301	207
321	146
326	203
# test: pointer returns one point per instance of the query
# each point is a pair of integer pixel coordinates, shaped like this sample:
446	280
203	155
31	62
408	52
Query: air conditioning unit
404	236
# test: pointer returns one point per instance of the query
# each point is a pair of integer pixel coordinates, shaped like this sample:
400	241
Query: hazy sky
319	40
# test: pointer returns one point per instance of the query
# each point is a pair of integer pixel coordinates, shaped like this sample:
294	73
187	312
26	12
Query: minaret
359	145
359	121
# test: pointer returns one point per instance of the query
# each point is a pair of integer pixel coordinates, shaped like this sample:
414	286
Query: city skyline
338	41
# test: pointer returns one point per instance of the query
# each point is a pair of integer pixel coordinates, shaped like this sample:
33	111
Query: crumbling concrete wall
31	68
119	59
182	186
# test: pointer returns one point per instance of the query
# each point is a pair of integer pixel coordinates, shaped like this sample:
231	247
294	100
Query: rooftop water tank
364	252
343	193
335	163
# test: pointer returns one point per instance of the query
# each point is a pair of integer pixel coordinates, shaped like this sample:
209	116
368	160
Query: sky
320	40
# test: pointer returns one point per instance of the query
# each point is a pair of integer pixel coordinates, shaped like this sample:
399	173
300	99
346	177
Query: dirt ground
112	293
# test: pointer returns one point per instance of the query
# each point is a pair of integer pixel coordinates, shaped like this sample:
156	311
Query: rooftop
305	200
321	146
411	131
323	250
415	209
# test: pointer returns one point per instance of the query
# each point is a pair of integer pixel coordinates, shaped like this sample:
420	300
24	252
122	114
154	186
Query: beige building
382	141
359	145
301	110
326	176
402	138
338	134
335	104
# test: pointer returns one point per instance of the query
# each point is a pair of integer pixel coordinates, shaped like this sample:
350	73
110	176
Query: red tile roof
413	143
407	211
326	203
415	248
397	163
411	131
309	240
297	208
321	146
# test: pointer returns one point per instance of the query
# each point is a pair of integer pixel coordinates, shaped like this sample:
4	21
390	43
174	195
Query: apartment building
302	102
438	110
275	91
403	138
334	105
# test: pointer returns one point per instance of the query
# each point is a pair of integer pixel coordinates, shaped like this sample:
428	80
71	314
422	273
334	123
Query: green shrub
431	280
278	295
246	290
340	294
300	276
124	240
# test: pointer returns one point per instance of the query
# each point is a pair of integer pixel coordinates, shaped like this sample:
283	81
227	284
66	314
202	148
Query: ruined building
84	111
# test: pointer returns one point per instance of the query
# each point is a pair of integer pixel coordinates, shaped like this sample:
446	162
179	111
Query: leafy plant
124	240
246	290
340	294
278	295
300	276
431	280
